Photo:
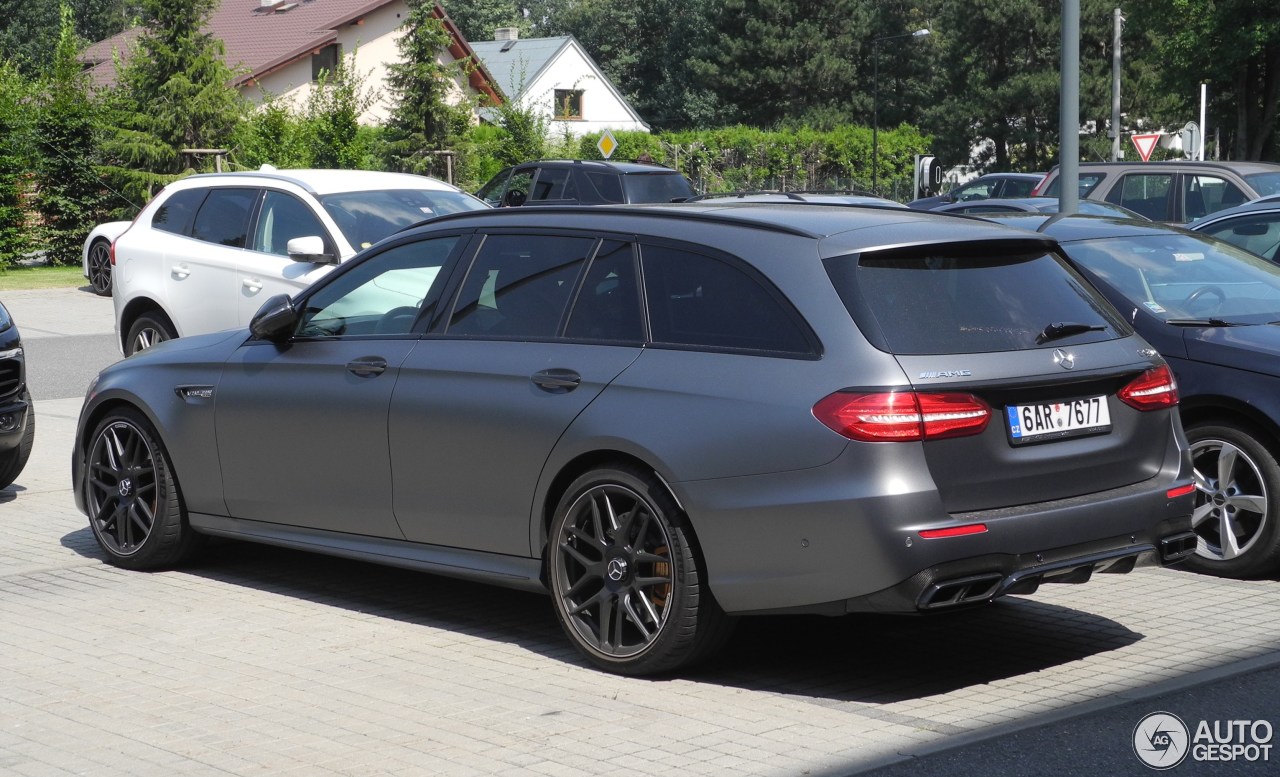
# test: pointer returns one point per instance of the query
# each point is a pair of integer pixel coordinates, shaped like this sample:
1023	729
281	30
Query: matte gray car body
452	461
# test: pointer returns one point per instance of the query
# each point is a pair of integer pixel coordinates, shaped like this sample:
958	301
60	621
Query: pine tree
422	120
68	192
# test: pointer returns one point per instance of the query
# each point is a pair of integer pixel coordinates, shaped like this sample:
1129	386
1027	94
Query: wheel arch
580	465
1206	410
136	308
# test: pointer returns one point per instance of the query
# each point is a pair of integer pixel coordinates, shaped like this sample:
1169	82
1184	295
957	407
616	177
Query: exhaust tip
964	590
1178	547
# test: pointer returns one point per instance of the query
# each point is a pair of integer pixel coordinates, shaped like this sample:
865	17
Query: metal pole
1204	93
875	116
1069	121
1115	87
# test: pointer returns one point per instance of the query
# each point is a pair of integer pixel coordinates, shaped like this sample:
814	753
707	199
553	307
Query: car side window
492	191
517	189
283	218
978	190
224	217
1205	194
608	305
1145	193
1259	234
519	286
380	296
176	212
608	187
554	184
1017	187
696	300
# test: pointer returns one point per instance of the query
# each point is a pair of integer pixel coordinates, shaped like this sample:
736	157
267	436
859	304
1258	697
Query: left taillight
902	416
1152	390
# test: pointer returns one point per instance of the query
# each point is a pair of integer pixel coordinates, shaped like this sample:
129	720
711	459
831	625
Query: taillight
1152	390
902	415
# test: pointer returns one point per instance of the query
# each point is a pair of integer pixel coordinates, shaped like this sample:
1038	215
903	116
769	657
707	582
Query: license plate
1044	421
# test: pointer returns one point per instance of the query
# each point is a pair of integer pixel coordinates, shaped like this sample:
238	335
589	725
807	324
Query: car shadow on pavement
870	659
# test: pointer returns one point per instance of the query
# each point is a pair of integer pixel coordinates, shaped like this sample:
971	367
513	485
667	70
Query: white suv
209	249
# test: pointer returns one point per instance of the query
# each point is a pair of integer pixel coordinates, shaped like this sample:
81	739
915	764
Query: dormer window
325	60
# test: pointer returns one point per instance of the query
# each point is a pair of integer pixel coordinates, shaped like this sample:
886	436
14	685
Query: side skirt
506	571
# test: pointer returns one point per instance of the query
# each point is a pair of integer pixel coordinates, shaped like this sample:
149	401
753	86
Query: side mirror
309	249
276	319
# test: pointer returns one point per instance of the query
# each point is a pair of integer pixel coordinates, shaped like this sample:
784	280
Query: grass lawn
41	277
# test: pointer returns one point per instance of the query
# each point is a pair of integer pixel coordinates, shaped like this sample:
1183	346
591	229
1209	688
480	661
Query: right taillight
902	416
1152	390
1036	192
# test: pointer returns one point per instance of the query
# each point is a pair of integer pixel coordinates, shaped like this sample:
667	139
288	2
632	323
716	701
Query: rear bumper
981	580
853	536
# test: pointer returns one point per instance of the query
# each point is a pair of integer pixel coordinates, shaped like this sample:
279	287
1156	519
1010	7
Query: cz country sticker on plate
1045	421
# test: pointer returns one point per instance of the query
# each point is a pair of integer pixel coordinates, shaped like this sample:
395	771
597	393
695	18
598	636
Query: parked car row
669	415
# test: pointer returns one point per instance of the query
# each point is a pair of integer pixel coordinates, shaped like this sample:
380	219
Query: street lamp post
875	102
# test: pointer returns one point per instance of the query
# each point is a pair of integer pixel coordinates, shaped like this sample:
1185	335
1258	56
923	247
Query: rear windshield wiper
1066	329
1201	322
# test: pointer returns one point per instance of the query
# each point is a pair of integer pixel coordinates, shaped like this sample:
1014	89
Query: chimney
506	33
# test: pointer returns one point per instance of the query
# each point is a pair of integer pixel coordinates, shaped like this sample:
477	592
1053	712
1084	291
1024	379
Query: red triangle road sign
1145	144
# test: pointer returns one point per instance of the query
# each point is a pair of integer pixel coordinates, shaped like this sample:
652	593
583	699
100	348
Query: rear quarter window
176	212
968	299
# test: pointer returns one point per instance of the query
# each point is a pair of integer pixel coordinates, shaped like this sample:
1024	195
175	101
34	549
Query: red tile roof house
279	48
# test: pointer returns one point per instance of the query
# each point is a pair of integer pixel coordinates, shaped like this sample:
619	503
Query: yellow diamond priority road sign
607	144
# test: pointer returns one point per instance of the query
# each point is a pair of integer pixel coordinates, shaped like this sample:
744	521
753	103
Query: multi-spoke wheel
625	578
100	267
149	329
1237	498
135	509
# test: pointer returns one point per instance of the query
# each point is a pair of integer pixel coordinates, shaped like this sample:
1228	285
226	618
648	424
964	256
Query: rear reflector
902	416
1152	390
954	531
1174	493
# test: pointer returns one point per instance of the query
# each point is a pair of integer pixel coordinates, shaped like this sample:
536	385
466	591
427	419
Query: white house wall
601	108
375	43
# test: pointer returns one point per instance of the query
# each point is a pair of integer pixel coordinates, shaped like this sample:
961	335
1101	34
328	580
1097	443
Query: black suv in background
1175	192
578	182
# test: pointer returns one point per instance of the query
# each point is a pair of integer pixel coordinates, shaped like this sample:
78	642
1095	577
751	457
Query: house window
568	104
325	60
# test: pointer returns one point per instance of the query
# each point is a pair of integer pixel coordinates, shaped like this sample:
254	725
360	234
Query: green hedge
741	158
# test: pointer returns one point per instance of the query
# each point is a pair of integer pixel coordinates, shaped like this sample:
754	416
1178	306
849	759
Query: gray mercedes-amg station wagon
665	416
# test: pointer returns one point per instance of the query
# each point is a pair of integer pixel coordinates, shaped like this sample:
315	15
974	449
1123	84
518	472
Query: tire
100	268
147	330
133	500
12	462
625	578
1237	512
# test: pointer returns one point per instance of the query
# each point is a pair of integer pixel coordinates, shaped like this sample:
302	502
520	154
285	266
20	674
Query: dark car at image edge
17	413
665	416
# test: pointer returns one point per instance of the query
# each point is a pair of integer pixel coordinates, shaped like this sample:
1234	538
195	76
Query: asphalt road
61	367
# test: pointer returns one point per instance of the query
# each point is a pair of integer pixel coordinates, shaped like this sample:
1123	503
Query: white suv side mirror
309	249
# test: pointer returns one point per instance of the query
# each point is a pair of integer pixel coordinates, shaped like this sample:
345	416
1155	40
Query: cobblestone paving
259	661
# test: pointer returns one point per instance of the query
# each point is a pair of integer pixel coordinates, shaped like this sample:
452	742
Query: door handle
367	366
253	284
180	272
556	380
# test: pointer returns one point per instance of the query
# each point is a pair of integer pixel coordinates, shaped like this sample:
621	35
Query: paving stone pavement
260	661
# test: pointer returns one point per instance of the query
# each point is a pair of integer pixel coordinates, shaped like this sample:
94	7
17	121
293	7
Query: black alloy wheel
149	329
625	581
100	267
135	509
1237	507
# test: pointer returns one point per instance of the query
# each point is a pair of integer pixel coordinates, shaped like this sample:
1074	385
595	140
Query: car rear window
1088	182
656	187
968	299
1265	184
